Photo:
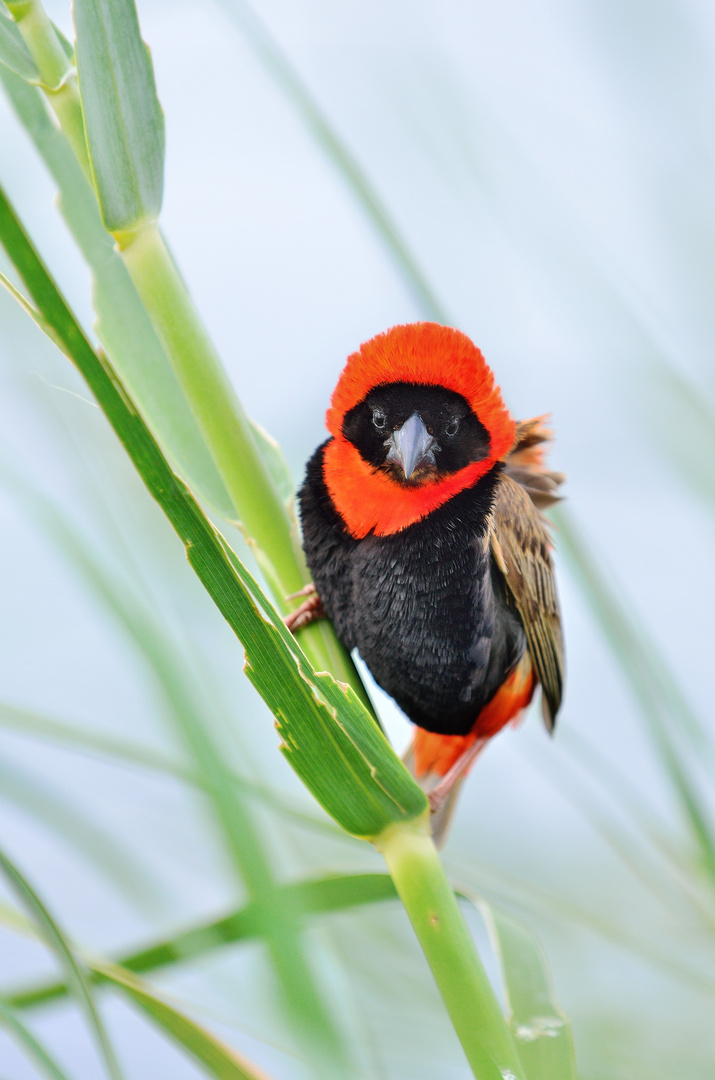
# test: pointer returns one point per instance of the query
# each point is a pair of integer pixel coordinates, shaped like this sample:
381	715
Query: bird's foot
309	611
439	795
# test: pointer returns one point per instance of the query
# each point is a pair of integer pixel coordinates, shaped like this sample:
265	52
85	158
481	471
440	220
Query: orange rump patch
438	753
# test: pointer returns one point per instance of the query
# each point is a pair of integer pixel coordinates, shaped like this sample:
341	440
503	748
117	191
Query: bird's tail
440	763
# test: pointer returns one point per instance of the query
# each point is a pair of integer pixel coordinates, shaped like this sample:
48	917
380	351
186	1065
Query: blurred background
541	176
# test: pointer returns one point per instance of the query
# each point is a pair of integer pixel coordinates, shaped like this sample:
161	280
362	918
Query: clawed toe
309	611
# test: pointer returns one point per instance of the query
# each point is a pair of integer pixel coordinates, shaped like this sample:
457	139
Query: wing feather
521	545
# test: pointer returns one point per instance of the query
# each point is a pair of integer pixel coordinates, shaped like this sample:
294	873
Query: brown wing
521	547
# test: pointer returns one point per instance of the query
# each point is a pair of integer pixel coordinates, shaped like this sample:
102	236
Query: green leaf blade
220	1061
32	1047
541	1030
57	941
123	117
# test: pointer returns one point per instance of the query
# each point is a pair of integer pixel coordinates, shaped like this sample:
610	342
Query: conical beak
411	446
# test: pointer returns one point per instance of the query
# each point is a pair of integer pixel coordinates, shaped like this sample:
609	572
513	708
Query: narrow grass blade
684	425
219	1060
616	789
29	1043
123	118
14	53
541	1030
337	150
277	466
57	941
635	655
320	896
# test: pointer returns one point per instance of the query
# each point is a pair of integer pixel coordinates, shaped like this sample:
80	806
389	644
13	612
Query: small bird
423	533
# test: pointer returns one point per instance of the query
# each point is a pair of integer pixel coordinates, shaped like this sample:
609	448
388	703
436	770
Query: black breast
426	607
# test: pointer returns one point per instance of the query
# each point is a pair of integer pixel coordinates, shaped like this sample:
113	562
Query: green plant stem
420	880
215	405
228	435
59	76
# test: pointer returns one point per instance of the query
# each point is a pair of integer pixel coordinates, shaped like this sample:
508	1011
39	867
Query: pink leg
439	795
309	611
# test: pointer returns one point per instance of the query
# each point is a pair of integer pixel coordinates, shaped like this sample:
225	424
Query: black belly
425	607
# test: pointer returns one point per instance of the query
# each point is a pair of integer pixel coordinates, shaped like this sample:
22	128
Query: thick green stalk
59	76
228	435
423	887
214	403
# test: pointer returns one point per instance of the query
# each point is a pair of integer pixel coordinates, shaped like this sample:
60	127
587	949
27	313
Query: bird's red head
428	388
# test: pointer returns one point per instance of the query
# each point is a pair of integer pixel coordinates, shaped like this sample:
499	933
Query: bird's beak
411	446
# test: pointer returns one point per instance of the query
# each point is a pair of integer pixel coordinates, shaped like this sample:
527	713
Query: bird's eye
452	427
379	419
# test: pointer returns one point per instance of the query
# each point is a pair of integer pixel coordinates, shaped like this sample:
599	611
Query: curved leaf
32	1047
335	892
541	1030
219	1060
57	941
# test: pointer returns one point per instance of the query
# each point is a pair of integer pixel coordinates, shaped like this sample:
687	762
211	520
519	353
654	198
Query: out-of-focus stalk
58	74
228	435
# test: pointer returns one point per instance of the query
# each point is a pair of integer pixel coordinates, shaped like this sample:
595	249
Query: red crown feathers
370	500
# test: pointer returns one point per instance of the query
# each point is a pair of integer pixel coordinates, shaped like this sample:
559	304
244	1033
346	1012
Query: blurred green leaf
541	1030
80	739
529	898
276	463
648	677
32	1047
14	53
219	1060
681	417
59	944
336	148
334	892
123	118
